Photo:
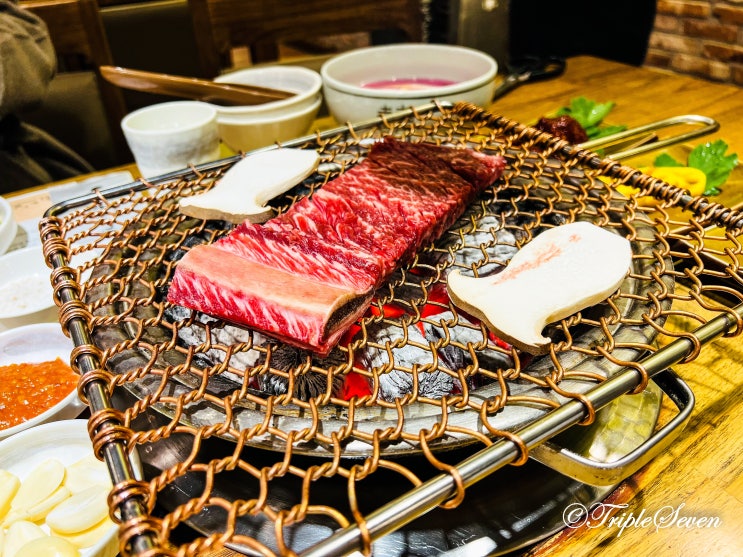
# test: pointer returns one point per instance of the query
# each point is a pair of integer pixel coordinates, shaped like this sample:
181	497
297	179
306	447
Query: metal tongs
617	146
525	70
635	141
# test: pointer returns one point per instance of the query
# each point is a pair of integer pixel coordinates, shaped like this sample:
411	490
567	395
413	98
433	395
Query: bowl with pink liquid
361	84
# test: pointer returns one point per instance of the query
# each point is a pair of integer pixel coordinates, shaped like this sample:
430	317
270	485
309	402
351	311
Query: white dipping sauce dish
170	136
424	72
8	226
26	294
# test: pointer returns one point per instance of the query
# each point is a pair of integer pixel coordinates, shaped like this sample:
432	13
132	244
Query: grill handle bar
437	490
114	452
703	125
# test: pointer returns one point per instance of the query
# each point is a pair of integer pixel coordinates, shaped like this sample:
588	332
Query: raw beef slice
306	275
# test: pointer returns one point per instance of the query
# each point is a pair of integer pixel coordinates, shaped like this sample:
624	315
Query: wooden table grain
701	475
700	478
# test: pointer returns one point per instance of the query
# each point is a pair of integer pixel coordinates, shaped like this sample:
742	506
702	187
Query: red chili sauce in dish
408	84
27	390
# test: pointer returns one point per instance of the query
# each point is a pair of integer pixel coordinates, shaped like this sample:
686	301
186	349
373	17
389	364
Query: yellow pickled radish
40	510
9	485
88	537
41	482
49	546
80	511
18	535
85	473
685	177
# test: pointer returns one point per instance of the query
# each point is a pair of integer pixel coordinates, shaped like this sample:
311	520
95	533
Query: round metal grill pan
410	327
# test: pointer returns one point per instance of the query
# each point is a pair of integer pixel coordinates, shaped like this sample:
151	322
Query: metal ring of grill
147	342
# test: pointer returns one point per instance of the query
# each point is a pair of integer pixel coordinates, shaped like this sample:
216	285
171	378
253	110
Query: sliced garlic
40	510
79	512
9	485
18	535
48	546
14	516
41	482
85	473
88	537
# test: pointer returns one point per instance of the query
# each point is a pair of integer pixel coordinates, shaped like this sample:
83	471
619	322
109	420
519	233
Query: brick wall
699	37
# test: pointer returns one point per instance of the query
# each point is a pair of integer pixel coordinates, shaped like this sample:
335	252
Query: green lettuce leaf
711	159
664	159
589	114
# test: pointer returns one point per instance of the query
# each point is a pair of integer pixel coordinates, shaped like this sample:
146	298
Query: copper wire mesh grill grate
414	376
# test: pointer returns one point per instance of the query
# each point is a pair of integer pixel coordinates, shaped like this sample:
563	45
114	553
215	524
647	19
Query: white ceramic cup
171	136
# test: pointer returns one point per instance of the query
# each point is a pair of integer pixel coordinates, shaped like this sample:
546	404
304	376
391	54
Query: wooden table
703	471
702	474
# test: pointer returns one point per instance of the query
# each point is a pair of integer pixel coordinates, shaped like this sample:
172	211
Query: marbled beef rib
306	275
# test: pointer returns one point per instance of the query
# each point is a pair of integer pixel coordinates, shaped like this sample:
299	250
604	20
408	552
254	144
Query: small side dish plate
8	225
26	295
66	441
37	343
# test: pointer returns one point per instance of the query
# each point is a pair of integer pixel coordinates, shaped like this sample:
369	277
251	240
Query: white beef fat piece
560	272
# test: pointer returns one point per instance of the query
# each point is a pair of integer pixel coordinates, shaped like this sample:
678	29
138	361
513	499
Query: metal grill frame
111	438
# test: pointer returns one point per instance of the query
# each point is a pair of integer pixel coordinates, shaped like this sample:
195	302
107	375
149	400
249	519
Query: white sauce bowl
346	78
305	83
242	133
68	442
26	294
170	136
8	226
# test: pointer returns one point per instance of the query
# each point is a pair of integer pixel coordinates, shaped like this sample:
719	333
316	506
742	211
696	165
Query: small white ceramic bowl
26	294
170	136
305	83
414	74
8	226
246	134
68	442
42	342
